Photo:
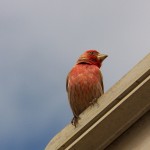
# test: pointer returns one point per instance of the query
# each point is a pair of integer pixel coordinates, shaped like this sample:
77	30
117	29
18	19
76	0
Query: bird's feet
74	120
94	101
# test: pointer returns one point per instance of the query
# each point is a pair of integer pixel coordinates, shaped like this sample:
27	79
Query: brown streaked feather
84	83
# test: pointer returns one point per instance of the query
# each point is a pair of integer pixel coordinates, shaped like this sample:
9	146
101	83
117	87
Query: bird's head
92	57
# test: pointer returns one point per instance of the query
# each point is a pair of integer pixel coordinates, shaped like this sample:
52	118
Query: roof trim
114	112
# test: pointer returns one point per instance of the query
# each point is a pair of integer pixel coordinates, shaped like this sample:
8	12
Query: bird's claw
93	102
74	120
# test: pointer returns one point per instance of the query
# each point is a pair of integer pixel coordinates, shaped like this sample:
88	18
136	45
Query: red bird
85	82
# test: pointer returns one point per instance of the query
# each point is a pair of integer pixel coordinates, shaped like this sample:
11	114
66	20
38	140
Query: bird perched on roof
84	83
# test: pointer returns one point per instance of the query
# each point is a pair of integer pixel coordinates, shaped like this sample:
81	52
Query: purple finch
85	82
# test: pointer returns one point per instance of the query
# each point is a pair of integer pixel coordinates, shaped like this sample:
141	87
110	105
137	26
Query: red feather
85	82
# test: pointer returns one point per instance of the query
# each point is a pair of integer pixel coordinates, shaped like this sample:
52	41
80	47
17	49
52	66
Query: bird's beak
102	56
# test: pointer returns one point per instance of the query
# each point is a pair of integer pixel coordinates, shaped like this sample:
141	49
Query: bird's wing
67	83
101	81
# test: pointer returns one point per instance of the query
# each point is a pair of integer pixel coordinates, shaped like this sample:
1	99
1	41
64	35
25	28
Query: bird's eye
92	53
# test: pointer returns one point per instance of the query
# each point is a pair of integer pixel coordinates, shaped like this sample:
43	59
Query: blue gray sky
40	41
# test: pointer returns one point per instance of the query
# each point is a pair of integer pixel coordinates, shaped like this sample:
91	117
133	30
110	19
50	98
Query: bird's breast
83	86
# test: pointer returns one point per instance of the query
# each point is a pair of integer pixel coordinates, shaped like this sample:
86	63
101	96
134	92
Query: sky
40	41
